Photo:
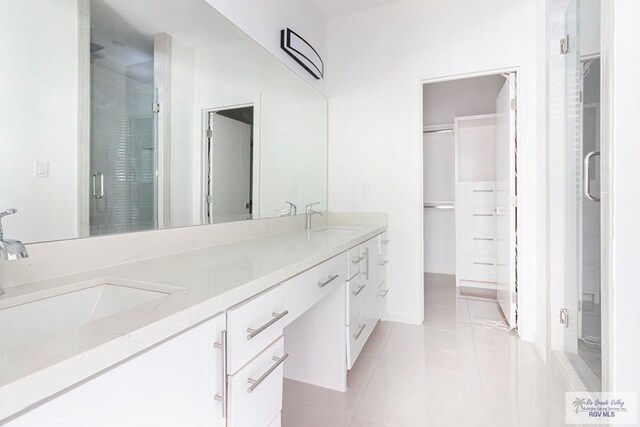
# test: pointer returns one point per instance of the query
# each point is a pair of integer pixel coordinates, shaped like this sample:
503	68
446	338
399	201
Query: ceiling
331	8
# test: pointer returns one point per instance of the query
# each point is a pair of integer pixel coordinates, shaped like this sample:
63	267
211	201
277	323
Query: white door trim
254	101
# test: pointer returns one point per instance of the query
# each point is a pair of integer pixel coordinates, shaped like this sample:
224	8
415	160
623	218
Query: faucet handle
4	213
8	212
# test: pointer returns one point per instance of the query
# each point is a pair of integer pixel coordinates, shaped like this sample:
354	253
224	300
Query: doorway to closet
470	190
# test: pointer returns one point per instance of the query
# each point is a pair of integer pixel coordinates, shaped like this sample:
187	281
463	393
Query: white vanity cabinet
179	382
366	291
382	262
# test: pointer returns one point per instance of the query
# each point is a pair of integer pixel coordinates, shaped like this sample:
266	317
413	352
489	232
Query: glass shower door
581	332
123	154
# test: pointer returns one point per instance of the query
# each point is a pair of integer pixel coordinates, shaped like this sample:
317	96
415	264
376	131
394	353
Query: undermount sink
337	230
71	307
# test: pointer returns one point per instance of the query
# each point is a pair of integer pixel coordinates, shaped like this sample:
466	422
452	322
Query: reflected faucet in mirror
292	211
309	212
11	249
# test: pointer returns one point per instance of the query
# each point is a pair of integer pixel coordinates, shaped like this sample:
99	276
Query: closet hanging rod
438	205
438	131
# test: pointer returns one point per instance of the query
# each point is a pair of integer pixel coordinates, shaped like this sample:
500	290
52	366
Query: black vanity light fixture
302	52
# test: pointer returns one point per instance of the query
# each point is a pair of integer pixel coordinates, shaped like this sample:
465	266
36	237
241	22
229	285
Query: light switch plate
41	169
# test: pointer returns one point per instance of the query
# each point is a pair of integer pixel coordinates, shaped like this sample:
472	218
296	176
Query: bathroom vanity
202	337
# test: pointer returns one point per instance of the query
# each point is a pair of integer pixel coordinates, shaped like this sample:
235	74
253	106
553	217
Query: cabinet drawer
476	194
474	220
478	244
304	290
355	288
255	391
254	325
383	291
477	268
357	334
357	260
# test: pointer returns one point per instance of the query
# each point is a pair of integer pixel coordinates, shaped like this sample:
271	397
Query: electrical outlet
366	190
293	191
41	169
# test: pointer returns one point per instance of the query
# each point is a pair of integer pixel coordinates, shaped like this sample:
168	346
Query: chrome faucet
310	213
11	249
292	211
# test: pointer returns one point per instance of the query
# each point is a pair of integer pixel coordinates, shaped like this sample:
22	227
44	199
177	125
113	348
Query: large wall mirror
119	116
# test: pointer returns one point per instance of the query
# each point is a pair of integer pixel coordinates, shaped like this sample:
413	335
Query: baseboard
401	318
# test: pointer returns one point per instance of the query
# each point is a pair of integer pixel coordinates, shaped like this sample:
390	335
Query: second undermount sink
70	308
336	229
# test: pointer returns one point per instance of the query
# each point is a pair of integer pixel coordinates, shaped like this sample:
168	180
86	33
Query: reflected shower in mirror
121	116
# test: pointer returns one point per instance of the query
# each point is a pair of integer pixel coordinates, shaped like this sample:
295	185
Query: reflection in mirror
120	116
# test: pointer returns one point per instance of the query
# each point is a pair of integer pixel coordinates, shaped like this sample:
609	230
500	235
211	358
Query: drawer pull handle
357	291
354	276
483	263
359	259
483	191
384	293
329	280
482	214
488	239
223	347
385	241
256	383
276	316
384	262
357	334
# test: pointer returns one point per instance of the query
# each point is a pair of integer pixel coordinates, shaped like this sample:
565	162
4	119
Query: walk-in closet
470	189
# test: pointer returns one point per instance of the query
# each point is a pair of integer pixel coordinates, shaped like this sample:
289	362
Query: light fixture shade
302	52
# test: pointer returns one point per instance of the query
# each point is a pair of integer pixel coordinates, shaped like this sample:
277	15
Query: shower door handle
94	191
585	173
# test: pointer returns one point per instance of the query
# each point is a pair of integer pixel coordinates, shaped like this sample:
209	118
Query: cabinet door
172	384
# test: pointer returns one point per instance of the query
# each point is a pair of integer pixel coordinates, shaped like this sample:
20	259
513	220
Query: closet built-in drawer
357	260
475	220
383	244
476	194
255	391
477	268
479	244
277	421
304	290
355	289
253	325
357	335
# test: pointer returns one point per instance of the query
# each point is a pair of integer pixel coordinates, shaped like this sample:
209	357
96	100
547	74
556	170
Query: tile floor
442	373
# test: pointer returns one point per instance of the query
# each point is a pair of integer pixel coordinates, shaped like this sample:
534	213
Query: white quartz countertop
211	280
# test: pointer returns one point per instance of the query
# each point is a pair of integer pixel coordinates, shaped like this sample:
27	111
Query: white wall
263	20
38	117
185	203
626	175
374	86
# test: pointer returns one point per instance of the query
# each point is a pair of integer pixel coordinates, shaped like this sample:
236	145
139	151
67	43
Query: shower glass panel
123	152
